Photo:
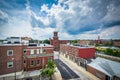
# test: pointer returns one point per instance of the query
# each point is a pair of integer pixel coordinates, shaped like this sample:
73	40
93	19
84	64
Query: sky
73	19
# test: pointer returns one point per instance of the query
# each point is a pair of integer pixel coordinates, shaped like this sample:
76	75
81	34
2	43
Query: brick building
36	57
104	69
84	42
78	51
11	58
56	42
79	54
116	43
16	58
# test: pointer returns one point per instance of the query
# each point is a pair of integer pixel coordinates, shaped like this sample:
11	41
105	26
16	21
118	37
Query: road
65	71
72	68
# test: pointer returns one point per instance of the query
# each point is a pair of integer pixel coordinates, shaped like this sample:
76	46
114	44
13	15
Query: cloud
112	12
16	27
73	19
111	33
3	17
42	33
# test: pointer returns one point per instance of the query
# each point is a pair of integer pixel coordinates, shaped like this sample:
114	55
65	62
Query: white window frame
32	51
8	53
9	63
37	51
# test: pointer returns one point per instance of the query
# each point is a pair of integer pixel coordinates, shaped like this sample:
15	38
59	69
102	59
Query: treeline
112	52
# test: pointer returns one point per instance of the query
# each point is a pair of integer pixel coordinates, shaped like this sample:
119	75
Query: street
65	71
70	70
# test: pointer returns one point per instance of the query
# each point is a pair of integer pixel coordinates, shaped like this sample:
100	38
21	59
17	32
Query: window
44	50
10	64
41	50
32	52
32	63
38	62
37	51
10	52
24	50
24	61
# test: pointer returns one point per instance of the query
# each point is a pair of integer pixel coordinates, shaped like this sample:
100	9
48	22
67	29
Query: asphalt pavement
65	71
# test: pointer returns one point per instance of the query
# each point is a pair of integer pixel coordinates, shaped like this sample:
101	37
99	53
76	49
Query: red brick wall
43	62
86	52
96	72
56	43
48	50
17	55
51	41
35	66
78	52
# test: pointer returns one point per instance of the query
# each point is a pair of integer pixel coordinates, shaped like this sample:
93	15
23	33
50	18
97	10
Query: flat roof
81	46
40	45
11	44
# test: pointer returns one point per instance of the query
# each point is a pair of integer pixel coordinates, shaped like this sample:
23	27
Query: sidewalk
32	74
84	75
29	74
57	75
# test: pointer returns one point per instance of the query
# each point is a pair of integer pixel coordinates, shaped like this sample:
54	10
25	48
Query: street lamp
13	59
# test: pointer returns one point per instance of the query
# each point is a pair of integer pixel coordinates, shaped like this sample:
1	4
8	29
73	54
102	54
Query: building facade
16	58
11	58
78	54
36	57
78	51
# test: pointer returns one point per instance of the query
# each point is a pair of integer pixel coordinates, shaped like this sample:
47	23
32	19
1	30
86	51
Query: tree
51	64
49	70
96	45
74	41
46	41
109	51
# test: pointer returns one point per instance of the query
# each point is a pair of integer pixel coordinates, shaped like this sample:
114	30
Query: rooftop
10	44
39	45
108	67
80	46
29	45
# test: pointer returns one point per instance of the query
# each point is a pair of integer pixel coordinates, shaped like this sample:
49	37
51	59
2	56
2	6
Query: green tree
49	70
51	64
96	45
74	41
46	41
109	51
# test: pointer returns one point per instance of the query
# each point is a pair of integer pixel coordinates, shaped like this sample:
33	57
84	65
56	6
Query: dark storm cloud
111	24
